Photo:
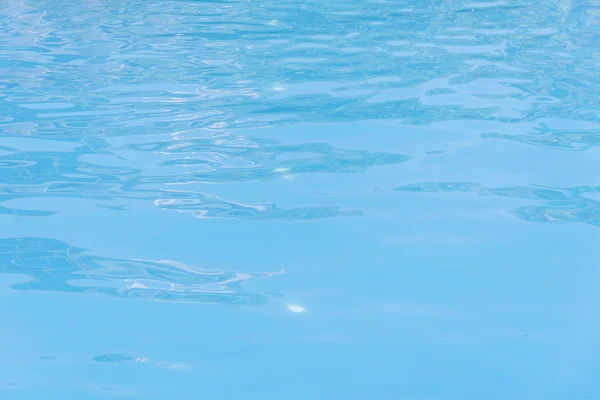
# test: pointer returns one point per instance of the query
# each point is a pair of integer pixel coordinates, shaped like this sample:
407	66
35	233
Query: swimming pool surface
294	200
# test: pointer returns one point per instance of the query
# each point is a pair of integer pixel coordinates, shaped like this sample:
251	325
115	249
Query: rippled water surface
257	199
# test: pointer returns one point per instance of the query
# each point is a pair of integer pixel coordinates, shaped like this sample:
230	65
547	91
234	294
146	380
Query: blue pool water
279	199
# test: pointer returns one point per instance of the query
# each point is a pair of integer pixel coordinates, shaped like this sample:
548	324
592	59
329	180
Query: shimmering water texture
360	199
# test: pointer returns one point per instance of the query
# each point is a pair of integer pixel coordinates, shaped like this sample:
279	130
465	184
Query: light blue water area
260	199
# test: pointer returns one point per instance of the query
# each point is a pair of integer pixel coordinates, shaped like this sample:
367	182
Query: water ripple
558	205
131	102
54	265
178	64
66	174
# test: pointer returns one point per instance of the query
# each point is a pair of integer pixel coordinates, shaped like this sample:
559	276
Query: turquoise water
299	199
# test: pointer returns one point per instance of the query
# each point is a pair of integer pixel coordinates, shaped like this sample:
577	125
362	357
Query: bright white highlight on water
296	308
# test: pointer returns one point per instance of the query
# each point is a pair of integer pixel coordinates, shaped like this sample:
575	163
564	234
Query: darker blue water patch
113	358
